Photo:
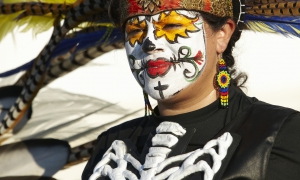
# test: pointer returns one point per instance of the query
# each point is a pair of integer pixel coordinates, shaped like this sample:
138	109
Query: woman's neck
170	108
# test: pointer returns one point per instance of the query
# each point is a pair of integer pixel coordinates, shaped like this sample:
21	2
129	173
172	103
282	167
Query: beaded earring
223	80
148	108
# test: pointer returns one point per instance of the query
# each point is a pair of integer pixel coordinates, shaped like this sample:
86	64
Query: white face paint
166	51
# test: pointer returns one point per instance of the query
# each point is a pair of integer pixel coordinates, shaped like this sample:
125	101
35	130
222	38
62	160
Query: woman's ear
224	35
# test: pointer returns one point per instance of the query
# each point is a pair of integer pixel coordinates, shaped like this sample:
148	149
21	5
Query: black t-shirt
284	160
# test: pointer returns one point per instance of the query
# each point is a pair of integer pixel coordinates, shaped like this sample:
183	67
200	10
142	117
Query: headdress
121	10
258	15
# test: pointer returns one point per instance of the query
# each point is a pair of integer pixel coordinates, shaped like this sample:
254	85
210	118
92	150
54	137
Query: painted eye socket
136	31
173	25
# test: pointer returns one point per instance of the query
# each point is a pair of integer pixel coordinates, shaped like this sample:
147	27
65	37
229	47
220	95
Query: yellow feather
295	29
252	25
41	1
283	30
259	26
91	24
264	27
8	24
38	24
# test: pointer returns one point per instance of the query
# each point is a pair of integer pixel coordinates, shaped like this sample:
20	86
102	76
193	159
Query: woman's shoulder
255	105
266	109
284	161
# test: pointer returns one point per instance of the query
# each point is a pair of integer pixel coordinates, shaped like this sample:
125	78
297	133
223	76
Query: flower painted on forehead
174	25
136	31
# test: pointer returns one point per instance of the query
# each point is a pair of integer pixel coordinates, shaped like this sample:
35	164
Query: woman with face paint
173	56
204	126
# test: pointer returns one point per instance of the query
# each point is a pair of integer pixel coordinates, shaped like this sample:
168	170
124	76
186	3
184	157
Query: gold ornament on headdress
149	4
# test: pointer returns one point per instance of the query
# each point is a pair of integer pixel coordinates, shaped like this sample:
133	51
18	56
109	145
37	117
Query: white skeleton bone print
156	159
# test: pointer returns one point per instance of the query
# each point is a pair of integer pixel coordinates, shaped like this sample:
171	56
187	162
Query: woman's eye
135	31
172	26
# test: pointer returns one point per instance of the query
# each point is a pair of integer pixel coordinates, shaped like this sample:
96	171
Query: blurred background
80	105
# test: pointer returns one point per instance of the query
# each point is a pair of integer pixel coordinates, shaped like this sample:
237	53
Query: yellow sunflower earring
223	80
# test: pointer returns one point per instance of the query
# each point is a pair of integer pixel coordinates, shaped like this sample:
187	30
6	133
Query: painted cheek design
174	25
136	31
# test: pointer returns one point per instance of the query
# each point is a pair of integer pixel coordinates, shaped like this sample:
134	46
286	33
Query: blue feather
81	41
283	25
287	19
16	70
85	40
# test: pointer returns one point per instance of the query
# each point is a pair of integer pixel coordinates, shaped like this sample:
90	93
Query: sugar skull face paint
166	51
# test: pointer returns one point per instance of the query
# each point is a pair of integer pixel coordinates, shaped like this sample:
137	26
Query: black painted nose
148	46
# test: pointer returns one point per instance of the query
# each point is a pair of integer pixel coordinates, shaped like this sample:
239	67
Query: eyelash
133	32
171	26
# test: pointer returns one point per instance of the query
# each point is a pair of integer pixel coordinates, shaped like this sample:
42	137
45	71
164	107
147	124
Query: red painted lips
159	67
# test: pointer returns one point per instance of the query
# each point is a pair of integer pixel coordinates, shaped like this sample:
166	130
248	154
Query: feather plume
8	95
266	1
282	25
7	24
291	8
42	1
279	16
36	9
73	18
15	15
38	24
84	39
36	15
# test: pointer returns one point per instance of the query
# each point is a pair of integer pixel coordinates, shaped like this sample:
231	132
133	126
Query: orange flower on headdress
174	25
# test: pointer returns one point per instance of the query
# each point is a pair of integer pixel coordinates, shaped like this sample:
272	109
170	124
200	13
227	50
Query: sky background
271	62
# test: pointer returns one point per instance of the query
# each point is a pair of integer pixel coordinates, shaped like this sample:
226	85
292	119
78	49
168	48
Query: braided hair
216	23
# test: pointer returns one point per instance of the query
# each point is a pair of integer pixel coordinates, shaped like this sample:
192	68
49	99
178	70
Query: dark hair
216	23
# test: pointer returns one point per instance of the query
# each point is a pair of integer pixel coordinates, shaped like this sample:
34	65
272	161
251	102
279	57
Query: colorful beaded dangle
223	80
148	107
